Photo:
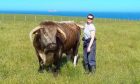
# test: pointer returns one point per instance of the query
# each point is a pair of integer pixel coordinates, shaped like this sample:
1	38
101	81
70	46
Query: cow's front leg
57	62
42	61
57	66
41	66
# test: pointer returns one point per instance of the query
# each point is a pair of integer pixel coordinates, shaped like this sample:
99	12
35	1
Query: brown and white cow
52	39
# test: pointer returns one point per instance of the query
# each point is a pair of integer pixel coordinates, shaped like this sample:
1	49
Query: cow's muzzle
52	46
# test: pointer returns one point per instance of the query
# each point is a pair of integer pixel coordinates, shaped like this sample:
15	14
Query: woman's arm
91	41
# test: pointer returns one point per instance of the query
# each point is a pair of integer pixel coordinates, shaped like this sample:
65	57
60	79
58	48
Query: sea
111	15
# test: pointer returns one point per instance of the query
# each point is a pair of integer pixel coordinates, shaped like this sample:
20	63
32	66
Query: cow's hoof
55	74
41	71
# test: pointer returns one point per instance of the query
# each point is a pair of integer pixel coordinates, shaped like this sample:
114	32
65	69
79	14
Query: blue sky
71	5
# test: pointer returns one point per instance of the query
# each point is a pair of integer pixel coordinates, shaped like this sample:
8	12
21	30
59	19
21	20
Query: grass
118	53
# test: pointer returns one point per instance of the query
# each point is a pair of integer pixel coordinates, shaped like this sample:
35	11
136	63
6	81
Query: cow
51	39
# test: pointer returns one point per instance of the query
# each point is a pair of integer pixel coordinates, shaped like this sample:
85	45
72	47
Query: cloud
52	10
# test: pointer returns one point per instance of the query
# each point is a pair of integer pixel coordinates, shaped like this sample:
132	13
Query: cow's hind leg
69	54
75	53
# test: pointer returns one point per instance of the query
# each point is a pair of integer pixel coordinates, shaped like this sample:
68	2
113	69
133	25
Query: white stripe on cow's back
64	21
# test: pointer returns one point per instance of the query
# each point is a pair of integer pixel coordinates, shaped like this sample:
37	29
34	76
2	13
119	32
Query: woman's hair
90	16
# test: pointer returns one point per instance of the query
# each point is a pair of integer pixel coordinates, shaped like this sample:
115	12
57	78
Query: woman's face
89	20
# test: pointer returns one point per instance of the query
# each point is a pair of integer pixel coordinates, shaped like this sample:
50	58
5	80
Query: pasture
118	53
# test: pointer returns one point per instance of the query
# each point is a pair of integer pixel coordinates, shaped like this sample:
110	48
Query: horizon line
52	11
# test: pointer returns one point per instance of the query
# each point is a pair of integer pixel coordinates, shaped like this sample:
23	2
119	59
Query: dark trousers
89	57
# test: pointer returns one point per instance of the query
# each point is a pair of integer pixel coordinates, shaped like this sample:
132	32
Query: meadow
117	57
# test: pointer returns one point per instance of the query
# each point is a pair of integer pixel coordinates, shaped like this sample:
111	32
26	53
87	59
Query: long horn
62	33
33	31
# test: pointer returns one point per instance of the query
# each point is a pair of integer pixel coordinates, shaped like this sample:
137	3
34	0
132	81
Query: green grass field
118	53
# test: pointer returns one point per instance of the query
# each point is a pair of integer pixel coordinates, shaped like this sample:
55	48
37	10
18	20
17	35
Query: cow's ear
61	35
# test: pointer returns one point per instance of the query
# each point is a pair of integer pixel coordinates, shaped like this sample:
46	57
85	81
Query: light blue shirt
88	29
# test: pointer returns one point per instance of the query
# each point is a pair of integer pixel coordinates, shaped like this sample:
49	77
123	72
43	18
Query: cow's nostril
52	46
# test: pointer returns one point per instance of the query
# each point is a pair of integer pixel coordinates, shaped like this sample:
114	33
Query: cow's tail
33	32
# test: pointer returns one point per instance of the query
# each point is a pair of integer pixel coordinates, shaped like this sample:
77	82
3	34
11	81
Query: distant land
112	15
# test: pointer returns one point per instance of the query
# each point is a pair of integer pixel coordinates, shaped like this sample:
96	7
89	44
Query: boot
92	69
87	69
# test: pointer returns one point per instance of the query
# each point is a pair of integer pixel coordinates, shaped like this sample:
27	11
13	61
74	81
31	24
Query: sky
71	5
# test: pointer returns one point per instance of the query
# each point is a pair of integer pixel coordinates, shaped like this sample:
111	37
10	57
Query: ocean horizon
111	15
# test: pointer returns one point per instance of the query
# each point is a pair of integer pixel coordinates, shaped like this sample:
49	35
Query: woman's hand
88	49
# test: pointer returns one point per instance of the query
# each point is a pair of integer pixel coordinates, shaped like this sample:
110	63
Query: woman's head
90	18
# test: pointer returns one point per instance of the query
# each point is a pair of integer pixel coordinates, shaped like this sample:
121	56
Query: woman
89	45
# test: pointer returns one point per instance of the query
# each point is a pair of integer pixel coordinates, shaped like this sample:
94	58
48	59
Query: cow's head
49	32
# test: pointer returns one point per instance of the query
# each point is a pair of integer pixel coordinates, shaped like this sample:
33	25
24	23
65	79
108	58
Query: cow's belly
70	43
68	46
